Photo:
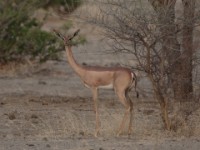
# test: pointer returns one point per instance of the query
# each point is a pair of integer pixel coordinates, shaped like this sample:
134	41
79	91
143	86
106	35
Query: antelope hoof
96	134
118	133
130	131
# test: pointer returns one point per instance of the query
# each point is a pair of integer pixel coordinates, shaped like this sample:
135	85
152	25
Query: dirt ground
46	107
46	110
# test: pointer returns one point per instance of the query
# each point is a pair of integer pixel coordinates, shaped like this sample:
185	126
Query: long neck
77	68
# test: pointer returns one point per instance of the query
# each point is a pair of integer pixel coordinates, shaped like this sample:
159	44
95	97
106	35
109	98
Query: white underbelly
109	86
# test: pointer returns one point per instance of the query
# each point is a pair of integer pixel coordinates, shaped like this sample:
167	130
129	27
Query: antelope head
67	39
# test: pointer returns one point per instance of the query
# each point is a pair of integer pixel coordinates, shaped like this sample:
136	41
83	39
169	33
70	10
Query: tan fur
120	79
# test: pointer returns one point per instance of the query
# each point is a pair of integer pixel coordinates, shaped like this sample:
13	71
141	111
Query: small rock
12	116
42	82
34	116
82	133
45	139
84	64
44	103
48	145
30	145
3	103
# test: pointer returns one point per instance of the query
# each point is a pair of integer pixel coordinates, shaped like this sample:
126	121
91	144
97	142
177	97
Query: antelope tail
135	80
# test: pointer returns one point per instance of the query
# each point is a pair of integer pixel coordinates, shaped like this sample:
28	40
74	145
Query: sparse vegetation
161	41
68	5
21	36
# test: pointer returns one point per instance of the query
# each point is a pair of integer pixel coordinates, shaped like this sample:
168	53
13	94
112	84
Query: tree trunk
180	63
187	46
170	45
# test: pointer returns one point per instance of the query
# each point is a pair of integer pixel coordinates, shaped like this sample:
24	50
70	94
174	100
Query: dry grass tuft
75	119
15	68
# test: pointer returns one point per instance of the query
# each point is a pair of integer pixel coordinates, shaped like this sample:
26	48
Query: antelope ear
75	34
59	34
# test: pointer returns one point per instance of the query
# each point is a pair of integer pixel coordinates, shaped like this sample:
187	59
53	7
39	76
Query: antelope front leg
95	98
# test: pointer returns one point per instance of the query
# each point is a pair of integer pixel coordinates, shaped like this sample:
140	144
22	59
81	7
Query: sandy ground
32	120
46	107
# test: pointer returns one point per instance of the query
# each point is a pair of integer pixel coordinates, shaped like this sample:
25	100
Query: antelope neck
77	68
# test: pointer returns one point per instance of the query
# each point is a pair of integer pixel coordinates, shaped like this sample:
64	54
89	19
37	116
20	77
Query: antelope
120	79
